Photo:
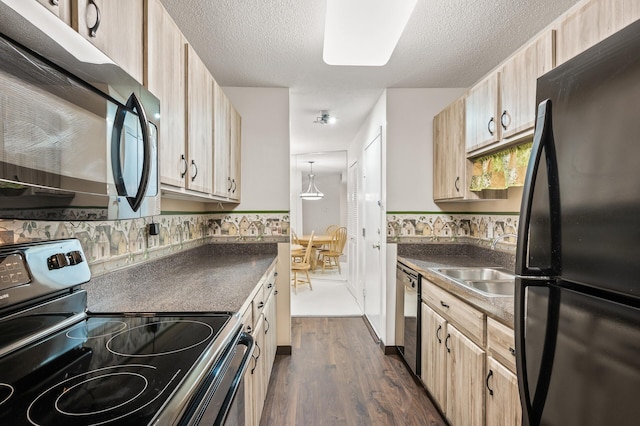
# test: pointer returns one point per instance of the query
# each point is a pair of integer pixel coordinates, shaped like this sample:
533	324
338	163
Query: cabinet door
115	27
221	143
518	84
199	123
270	338
60	8
433	355
465	388
591	23
482	113
235	151
503	401
258	371
449	171
165	77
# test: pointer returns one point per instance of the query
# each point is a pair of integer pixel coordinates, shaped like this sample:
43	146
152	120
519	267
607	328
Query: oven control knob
74	257
57	261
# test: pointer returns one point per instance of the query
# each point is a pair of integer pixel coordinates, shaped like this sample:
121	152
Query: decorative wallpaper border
112	245
477	228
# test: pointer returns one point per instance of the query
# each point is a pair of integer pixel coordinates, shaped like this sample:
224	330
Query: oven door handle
244	340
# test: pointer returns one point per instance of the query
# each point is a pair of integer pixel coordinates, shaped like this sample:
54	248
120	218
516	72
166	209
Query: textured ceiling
278	43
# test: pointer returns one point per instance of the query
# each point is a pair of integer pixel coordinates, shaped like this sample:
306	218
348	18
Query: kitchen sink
491	281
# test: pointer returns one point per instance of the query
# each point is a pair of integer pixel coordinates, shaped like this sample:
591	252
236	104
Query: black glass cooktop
104	370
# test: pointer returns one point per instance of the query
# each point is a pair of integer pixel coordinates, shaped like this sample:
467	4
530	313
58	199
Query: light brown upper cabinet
60	8
199	123
518	84
165	77
115	27
450	161
226	157
483	113
592	22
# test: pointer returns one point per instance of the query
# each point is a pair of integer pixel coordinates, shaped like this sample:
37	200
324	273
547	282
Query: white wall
410	115
265	146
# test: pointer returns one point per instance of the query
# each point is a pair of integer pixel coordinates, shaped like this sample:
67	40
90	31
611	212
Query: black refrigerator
577	300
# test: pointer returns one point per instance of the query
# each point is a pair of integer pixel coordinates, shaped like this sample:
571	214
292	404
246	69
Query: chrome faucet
500	237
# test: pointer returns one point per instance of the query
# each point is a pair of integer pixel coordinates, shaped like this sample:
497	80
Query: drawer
459	313
501	343
258	303
247	319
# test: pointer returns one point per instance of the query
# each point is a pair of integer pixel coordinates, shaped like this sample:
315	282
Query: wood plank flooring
337	375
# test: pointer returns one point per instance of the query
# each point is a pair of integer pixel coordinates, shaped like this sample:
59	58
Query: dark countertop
207	278
497	307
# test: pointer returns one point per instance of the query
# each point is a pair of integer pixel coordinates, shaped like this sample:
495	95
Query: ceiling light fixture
312	193
325	118
364	32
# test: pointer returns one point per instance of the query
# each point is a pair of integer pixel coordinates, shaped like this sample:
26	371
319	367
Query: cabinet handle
446	343
491	126
456	184
54	2
234	185
438	333
248	329
193	163
502	117
487	382
275	274
230	184
186	166
269	285
513	351
260	305
444	305
275	292
266	330
93	30
255	358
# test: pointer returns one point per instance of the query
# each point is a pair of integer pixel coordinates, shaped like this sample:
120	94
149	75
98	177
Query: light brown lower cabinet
501	391
434	355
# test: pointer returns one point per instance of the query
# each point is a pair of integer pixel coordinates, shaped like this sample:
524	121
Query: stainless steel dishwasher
408	316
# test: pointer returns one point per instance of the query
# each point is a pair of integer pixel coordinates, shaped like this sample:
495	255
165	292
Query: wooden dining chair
296	255
302	267
331	258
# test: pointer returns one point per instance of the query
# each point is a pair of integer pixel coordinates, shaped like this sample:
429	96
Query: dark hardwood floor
337	375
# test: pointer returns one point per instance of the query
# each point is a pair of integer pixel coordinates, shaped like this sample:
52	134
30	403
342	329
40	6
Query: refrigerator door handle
543	139
532	408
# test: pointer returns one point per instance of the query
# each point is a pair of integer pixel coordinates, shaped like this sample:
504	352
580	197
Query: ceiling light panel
364	32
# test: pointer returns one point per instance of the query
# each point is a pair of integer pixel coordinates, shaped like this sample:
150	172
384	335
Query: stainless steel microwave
78	135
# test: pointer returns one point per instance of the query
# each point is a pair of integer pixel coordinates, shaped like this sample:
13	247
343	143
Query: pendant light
312	193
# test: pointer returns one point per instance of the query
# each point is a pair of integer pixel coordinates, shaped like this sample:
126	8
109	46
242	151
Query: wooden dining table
318	241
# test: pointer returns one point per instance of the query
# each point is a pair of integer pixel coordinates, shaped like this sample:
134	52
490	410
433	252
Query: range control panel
13	271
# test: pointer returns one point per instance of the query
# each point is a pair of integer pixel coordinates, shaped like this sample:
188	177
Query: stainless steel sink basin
499	287
491	281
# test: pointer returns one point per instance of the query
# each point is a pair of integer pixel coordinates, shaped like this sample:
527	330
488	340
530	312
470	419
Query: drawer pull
266	330
260	305
487	382
248	329
444	305
446	345
438	333
513	351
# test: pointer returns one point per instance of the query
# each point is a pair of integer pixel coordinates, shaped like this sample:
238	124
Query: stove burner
107	397
103	391
160	338
6	391
94	328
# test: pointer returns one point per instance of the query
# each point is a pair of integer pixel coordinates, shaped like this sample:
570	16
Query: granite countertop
207	278
422	260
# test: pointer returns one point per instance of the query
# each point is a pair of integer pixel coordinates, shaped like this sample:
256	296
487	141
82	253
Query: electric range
60	364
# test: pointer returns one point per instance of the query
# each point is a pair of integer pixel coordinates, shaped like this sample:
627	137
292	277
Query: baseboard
283	350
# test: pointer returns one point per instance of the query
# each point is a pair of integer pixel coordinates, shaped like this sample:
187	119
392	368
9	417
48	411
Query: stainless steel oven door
222	401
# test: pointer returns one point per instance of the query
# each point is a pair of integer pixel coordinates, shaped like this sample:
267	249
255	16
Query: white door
354	284
373	233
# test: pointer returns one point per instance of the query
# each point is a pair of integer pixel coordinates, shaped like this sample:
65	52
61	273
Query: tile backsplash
111	245
477	228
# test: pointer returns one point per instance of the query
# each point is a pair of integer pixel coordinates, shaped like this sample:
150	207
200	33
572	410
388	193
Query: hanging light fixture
312	193
325	118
